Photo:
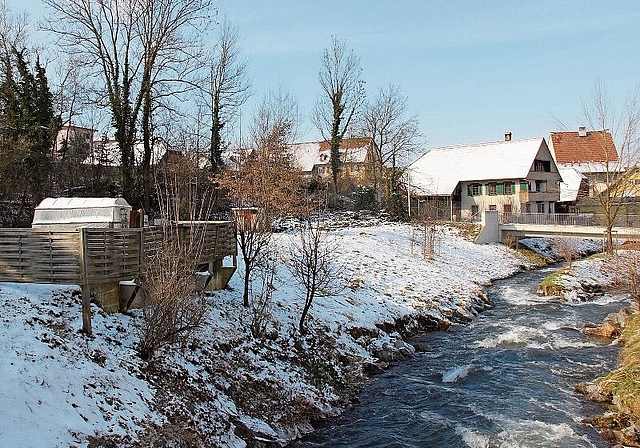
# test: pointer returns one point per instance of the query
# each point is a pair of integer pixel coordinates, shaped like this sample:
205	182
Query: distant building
359	158
460	182
73	141
106	152
591	153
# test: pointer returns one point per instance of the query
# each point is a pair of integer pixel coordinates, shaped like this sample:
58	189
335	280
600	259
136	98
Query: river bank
620	388
227	387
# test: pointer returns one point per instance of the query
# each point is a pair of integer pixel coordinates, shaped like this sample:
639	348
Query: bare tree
568	248
265	185
609	190
396	137
227	87
172	306
311	263
129	44
261	301
626	269
342	96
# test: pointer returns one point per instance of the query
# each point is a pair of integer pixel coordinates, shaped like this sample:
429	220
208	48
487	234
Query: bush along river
507	379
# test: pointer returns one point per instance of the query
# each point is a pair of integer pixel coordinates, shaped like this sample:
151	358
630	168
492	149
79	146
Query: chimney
507	136
582	131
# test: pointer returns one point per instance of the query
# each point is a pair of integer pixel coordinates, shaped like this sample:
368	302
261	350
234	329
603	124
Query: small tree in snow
311	262
264	185
626	269
172	307
261	300
567	248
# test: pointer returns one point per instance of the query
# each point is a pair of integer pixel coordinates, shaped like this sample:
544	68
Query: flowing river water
504	380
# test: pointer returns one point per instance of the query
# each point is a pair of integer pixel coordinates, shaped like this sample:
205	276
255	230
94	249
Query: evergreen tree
27	128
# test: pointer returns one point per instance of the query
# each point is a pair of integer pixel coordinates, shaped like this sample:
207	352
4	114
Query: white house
460	182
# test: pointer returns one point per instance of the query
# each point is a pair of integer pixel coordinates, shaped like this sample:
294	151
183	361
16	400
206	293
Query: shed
82	212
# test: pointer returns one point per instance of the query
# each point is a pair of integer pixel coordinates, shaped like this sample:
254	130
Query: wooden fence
92	257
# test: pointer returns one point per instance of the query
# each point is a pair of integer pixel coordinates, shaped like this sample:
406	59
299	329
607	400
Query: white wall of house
476	197
538	193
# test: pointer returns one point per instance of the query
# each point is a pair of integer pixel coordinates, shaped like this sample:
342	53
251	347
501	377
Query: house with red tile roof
588	148
591	153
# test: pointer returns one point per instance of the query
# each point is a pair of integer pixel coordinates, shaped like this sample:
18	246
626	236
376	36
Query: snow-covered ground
61	388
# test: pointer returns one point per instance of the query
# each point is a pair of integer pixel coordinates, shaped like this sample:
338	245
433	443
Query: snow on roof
72	211
73	203
570	185
439	170
595	167
307	155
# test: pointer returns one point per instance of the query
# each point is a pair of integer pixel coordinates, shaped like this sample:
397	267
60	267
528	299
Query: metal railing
550	219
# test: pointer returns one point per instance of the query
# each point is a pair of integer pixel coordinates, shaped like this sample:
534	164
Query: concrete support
490	231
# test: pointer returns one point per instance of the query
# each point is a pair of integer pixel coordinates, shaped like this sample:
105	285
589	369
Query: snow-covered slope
61	388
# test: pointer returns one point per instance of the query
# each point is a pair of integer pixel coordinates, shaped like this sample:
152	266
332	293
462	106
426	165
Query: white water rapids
505	380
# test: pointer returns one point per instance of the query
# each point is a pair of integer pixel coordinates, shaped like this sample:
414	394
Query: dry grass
624	382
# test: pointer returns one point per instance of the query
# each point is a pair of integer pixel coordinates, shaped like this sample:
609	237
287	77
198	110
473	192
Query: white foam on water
534	433
457	373
514	336
472	438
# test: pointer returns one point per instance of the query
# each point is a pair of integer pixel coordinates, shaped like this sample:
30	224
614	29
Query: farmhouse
358	156
460	182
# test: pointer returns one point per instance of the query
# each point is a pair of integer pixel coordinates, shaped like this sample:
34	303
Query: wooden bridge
498	227
99	259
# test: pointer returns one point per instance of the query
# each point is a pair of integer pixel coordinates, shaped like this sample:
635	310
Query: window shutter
480	189
500	189
513	188
469	191
523	186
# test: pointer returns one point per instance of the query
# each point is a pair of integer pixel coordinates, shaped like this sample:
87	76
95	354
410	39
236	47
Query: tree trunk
245	293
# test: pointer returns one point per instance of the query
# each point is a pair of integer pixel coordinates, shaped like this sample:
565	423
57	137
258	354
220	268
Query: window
492	208
506	208
492	189
540	207
474	190
523	186
541	186
542	166
508	188
474	210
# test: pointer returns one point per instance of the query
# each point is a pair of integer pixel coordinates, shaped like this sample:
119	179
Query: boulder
613	324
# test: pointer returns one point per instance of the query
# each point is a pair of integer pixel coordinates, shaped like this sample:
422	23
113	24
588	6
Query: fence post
86	288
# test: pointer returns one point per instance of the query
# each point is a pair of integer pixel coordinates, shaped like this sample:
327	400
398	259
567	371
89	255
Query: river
505	380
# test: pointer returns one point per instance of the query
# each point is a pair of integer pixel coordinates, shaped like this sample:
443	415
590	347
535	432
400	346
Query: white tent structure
82	212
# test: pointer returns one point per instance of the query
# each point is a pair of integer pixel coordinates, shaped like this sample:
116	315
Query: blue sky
472	70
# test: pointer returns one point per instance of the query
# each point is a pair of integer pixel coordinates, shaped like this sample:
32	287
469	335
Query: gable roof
439	170
307	155
591	146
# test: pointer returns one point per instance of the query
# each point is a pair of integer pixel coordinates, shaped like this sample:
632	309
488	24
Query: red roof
348	143
595	146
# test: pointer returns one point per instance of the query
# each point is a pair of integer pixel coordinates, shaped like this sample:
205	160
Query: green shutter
523	186
500	189
513	188
480	189
469	190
